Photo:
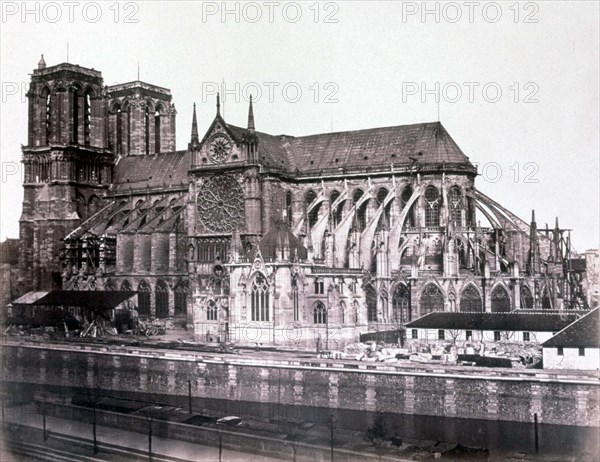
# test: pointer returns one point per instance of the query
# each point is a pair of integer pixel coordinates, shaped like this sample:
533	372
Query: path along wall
560	398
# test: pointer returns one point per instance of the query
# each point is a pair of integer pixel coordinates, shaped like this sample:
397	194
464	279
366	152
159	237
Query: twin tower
77	129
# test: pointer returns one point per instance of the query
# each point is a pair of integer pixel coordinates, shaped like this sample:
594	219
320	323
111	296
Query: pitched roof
422	144
581	333
29	298
426	142
152	171
278	239
92	299
271	152
528	322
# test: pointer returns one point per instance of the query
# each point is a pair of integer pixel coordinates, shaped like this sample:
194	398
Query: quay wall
558	398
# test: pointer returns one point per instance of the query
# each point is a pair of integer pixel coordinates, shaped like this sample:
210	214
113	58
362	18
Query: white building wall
571	359
432	335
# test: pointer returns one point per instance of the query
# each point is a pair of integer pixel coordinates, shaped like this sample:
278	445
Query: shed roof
581	333
91	299
528	322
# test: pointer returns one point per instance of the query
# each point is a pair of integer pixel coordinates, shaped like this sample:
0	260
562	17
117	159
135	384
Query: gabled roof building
577	346
265	239
515	327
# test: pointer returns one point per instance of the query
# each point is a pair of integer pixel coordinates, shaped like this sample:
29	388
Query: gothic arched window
546	300
161	294
343	312
470	300
212	313
295	299
431	299
260	299
456	206
404	199
181	299
144	298
526	298
126	286
500	300
401	304
371	298
381	195
319	313
312	214
336	214
361	212
432	206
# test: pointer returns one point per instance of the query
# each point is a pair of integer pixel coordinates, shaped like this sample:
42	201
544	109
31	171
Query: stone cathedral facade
261	239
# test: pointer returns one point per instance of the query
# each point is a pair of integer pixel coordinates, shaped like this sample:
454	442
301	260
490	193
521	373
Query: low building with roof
577	346
533	327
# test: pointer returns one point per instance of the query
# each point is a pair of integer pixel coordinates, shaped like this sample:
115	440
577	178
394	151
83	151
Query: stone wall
559	398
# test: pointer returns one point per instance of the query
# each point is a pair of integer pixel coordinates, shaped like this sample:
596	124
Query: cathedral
263	239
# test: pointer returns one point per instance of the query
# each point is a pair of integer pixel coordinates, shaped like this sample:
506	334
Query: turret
534	249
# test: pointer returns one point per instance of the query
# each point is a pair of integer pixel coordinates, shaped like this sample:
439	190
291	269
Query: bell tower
67	166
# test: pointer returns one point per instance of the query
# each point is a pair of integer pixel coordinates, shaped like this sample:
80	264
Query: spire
195	141
556	236
250	117
42	63
218	104
534	250
194	125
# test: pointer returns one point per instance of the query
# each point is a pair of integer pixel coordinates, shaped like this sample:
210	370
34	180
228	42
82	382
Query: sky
514	83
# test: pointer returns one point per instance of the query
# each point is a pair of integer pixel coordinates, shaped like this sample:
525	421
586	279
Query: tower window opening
119	131
147	130
87	118
48	117
75	115
157	131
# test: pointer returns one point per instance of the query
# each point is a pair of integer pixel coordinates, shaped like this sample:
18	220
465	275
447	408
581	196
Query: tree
148	413
93	397
378	432
293	433
332	424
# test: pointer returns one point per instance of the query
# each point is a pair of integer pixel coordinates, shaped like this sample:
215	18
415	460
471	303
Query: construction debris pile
92	324
499	354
